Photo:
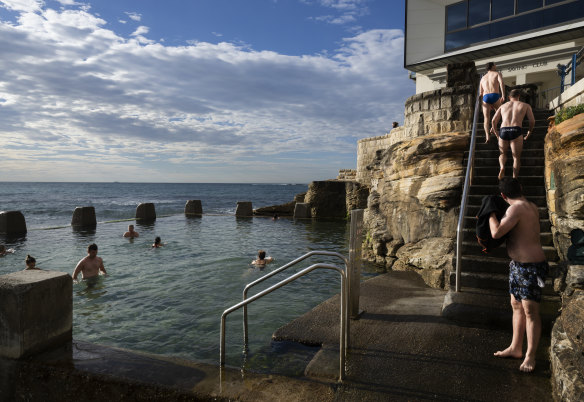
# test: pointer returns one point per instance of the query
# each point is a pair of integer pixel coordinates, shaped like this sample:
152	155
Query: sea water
169	300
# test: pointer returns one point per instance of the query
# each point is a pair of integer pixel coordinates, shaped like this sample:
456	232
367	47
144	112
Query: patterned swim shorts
523	279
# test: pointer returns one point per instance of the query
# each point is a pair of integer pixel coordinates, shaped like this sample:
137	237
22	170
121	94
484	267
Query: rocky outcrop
335	198
416	184
564	175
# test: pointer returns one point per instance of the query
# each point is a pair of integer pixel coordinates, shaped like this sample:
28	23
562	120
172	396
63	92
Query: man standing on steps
512	114
527	270
492	93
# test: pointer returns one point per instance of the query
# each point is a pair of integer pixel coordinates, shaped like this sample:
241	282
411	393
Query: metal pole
354	274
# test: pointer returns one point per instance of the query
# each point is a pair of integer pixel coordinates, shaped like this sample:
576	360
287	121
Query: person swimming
157	242
4	250
262	259
30	262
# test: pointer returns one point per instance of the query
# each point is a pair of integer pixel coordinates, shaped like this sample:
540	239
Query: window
456	16
527	5
478	11
502	8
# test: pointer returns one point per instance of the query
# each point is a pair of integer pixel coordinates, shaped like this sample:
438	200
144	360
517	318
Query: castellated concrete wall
36	312
441	111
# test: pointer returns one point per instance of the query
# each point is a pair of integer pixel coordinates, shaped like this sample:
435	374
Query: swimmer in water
4	250
262	259
91	265
131	233
30	263
157	242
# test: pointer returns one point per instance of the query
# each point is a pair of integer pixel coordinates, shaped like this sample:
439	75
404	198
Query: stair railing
465	190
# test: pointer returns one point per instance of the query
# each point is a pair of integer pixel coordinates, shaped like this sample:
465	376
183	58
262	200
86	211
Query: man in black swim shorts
527	270
512	114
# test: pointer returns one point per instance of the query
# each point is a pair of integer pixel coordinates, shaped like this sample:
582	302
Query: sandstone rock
281	210
462	74
302	211
299	197
327	199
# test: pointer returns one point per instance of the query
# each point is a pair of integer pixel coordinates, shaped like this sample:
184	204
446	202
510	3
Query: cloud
349	11
78	99
134	16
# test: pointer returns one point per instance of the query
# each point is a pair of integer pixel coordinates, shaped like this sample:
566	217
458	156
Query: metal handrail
343	308
282	268
465	191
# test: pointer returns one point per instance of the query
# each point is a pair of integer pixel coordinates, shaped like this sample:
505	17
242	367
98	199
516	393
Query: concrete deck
401	349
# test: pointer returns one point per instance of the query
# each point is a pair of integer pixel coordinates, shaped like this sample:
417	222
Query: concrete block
36	312
146	212
12	223
244	208
302	210
84	216
193	207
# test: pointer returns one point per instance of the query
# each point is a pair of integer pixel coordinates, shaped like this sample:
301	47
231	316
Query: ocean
169	300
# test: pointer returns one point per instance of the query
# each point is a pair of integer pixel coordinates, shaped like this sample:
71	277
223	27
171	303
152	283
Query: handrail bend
282	268
343	308
465	191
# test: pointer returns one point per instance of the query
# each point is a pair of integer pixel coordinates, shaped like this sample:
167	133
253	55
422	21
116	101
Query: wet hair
157	240
92	246
29	259
261	254
511	188
515	93
489	65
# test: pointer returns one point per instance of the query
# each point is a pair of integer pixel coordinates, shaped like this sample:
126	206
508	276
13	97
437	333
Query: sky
197	91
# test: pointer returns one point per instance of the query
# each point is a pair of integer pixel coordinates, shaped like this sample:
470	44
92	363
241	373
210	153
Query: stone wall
564	175
415	174
335	198
347	174
572	96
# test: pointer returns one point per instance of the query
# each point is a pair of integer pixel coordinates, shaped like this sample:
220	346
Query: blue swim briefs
491	98
523	279
510	133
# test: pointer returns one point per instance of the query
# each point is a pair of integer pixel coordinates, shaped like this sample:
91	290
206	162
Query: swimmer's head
131	228
515	93
91	247
490	65
157	240
510	188
261	254
29	259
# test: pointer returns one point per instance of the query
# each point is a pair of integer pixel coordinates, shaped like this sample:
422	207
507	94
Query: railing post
354	273
562	74
574	65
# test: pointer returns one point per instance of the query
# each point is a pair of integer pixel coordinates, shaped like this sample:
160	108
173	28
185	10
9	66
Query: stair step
470	221
528	191
494	180
469	234
495	161
470	248
493	171
492	308
538	200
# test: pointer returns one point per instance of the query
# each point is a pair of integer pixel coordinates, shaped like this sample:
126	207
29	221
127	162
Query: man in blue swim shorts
512	114
492	94
527	270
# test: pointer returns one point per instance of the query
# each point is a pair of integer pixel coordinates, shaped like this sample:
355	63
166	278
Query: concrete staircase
484	296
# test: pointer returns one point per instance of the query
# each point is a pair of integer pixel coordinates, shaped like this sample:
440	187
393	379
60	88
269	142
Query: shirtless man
91	265
512	113
262	260
131	233
492	94
527	270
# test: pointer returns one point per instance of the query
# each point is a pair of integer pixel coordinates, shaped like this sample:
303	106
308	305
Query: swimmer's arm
500	229
78	269
502	86
102	268
531	119
269	259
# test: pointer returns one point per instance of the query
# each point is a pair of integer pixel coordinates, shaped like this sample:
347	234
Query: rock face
416	184
564	175
145	212
193	207
244	209
334	198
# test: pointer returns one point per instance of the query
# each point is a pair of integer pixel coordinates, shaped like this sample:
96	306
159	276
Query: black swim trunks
510	133
526	278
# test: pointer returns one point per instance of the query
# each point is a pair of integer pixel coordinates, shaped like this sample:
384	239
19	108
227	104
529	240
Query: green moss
569	112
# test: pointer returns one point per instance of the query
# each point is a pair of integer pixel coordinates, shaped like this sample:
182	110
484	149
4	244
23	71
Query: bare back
513	113
523	243
492	82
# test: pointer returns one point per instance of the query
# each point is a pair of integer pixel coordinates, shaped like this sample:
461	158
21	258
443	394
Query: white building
527	39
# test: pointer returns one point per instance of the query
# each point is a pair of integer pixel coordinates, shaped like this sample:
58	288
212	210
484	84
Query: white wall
425	29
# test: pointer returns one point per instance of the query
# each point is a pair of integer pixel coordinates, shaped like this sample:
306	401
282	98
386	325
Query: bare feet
501	174
516	354
528	365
